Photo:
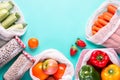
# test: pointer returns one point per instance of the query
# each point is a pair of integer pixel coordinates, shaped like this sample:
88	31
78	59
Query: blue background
57	24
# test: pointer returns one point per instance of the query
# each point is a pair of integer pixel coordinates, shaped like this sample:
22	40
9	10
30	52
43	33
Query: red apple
50	66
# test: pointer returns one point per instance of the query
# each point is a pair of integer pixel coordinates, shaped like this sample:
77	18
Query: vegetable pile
49	69
99	67
8	18
104	18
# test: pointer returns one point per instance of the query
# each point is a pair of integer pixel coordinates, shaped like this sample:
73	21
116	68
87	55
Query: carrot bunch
104	18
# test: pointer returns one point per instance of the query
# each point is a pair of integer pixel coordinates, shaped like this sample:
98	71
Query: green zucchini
7	5
18	26
11	19
3	14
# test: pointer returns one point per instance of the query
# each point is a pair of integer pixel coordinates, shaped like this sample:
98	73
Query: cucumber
12	18
7	5
3	14
18	26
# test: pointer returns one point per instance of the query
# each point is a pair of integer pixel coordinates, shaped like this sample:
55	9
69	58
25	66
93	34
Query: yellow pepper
112	72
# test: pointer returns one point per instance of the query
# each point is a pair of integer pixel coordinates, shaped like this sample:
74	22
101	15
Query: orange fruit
38	72
33	43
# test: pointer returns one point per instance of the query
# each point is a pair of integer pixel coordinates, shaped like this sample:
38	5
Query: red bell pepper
99	59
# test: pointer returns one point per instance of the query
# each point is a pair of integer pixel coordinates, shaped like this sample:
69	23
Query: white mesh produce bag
58	56
7	34
109	35
85	56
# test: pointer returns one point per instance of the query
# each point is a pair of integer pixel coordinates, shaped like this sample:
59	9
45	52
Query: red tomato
60	71
33	43
38	72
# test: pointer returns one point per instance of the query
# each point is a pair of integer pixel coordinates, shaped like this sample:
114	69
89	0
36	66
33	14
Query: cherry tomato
60	71
38	72
33	43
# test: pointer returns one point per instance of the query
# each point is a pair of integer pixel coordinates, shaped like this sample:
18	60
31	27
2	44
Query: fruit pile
49	69
8	18
104	18
79	43
99	67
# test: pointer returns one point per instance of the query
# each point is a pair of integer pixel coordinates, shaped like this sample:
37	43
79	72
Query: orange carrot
100	16
95	28
93	32
108	13
107	17
112	9
102	21
98	24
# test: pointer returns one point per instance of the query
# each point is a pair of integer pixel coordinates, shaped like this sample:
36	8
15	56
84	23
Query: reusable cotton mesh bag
10	50
109	35
56	55
19	67
85	56
7	34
